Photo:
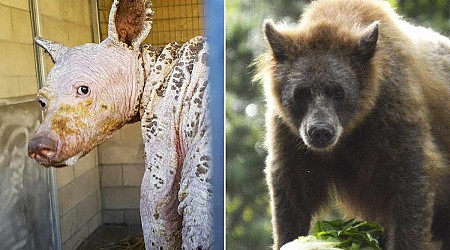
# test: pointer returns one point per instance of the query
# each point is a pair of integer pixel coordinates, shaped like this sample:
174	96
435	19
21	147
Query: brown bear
358	106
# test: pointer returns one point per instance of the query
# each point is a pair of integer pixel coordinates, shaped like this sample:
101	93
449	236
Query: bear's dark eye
83	90
42	103
302	94
338	93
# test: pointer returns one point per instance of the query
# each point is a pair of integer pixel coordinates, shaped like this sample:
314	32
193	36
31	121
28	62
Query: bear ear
368	42
55	49
130	22
279	44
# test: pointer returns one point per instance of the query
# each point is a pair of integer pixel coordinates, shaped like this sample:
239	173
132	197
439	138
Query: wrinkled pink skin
175	205
77	122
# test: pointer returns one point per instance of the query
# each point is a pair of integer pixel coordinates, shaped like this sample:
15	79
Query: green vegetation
351	235
248	215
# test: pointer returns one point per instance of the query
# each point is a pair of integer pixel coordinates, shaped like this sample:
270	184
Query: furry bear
358	109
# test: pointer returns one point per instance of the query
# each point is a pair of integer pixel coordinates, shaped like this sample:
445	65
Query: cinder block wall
176	20
17	71
122	167
69	22
121	157
79	200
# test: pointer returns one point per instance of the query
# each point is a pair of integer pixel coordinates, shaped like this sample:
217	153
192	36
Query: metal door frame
215	33
40	76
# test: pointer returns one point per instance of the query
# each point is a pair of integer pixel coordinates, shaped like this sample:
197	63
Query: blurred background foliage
248	213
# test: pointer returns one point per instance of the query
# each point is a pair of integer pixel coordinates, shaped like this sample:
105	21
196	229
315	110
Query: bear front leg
413	203
195	197
195	194
441	216
161	223
297	186
294	199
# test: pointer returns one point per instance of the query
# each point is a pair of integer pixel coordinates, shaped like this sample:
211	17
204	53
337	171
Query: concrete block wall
79	200
69	22
122	167
17	70
176	20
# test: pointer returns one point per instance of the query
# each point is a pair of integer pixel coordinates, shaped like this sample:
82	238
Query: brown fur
130	18
390	162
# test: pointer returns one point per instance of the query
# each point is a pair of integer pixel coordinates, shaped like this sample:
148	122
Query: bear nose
321	133
42	149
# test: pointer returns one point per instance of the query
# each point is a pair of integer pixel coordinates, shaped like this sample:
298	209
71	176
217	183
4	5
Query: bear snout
321	135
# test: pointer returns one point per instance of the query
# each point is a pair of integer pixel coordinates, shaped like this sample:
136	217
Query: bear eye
83	90
42	103
301	94
338	93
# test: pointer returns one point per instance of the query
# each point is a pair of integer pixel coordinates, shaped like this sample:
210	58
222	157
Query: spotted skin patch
176	132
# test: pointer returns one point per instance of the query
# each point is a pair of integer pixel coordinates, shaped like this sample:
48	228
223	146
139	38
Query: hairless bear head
92	89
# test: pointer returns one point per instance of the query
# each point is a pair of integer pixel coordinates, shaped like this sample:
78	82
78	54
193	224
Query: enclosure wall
17	72
25	210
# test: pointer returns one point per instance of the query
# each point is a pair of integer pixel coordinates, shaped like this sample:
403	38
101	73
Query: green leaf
350	234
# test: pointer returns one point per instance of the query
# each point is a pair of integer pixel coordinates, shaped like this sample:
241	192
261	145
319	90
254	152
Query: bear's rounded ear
368	42
54	49
130	22
279	44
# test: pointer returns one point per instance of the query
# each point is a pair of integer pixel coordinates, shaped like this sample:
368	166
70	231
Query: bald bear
358	106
